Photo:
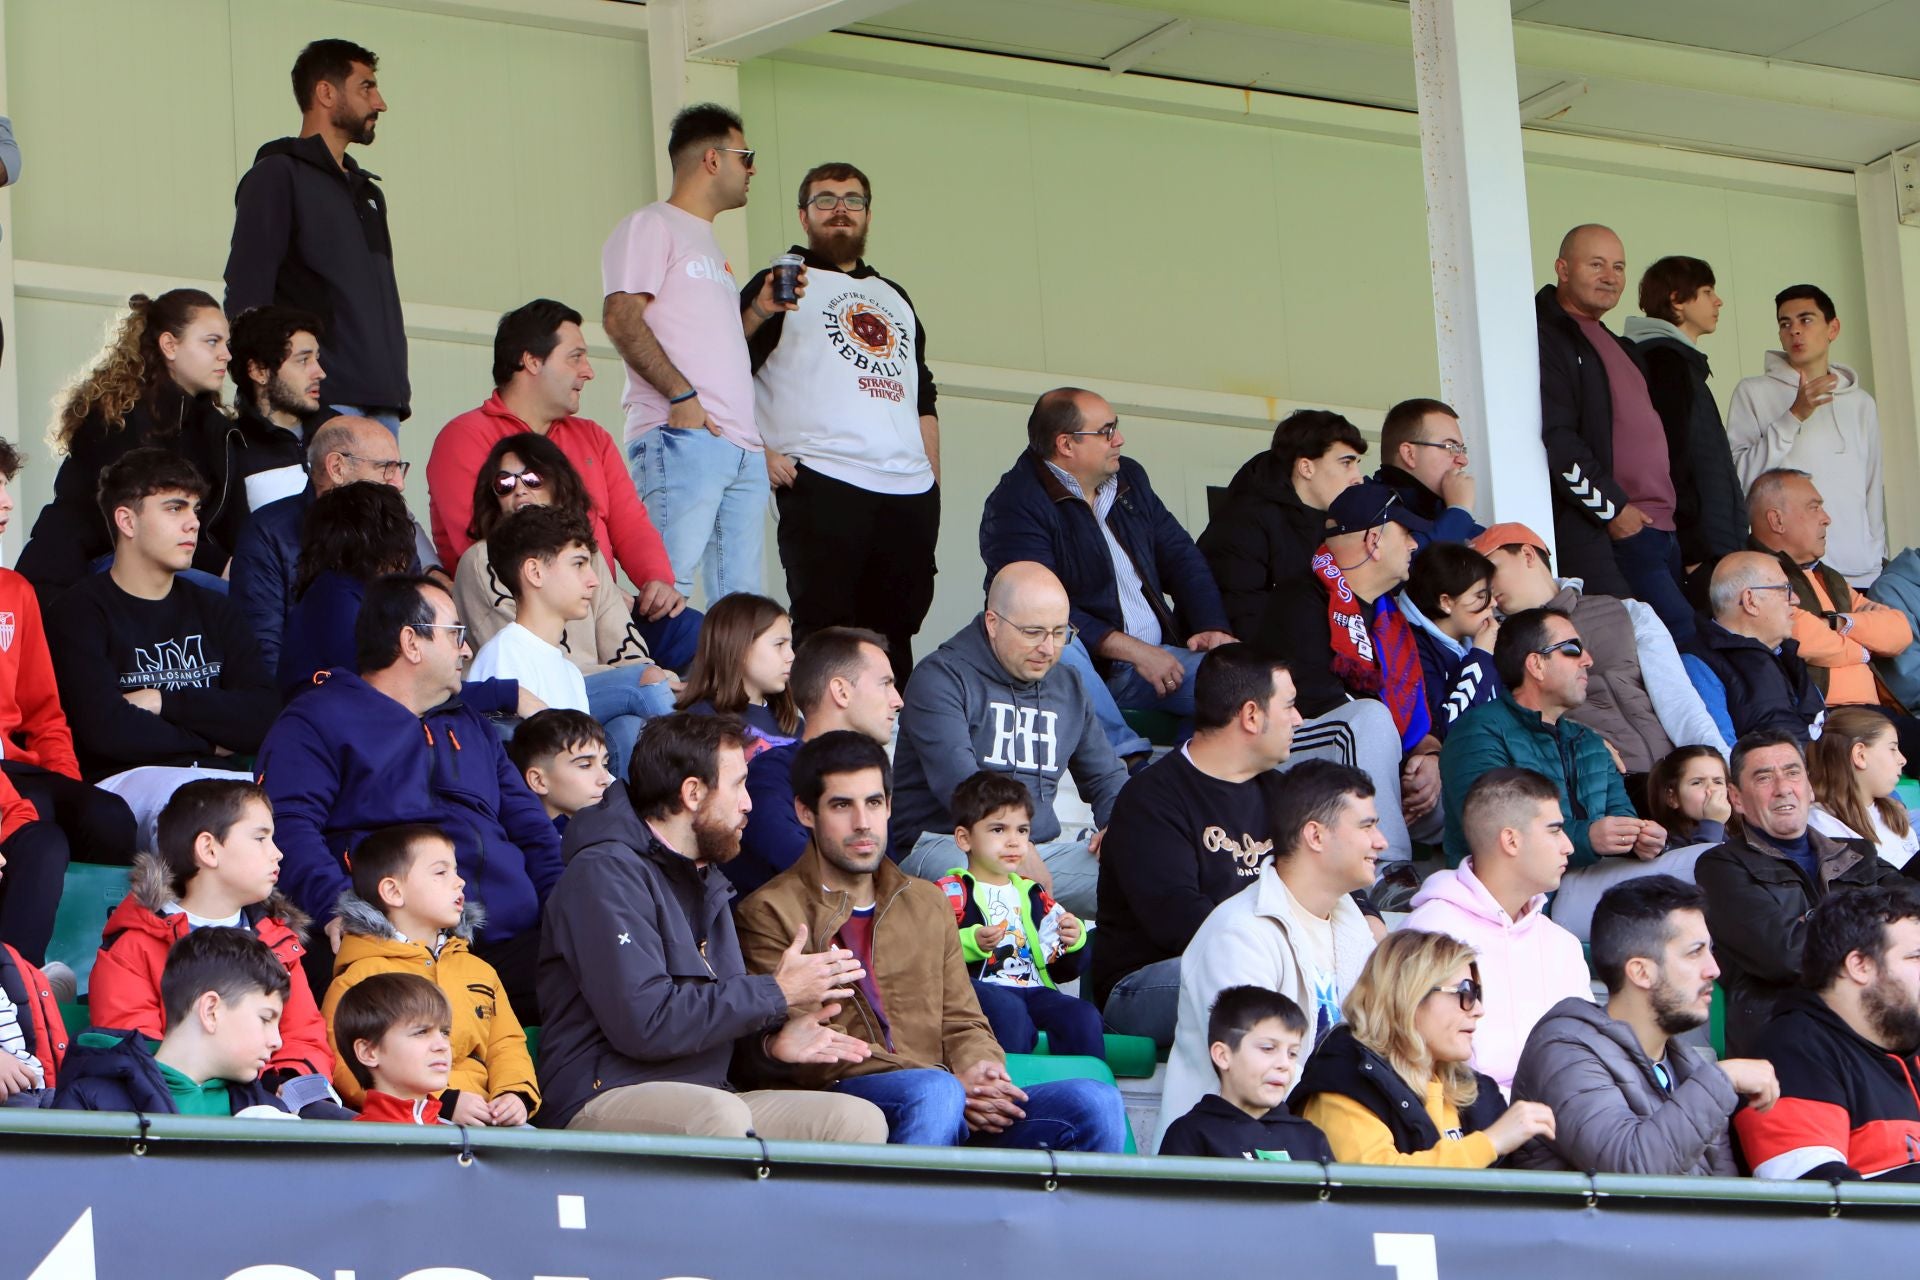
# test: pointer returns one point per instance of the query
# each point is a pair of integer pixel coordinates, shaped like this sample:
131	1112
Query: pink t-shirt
695	313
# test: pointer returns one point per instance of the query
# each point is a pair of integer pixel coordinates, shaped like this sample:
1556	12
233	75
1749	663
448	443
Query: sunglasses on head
505	482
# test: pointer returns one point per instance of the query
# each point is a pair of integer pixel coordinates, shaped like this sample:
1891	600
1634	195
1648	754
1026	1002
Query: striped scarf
1377	659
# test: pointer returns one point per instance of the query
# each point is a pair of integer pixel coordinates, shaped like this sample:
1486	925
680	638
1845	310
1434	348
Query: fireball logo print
870	330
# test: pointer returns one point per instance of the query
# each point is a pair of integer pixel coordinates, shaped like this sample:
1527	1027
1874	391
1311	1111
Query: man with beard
1845	1048
277	375
649	1008
1763	882
845	403
1628	1097
310	231
931	1063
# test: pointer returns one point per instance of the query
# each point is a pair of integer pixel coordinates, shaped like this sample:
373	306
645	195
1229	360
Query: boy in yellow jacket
408	913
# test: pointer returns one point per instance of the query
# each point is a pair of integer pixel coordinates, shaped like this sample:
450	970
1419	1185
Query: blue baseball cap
1368	505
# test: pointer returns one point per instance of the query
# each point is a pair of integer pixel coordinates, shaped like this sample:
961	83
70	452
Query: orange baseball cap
1507	535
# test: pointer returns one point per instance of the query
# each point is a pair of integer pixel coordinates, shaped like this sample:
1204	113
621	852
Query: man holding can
845	404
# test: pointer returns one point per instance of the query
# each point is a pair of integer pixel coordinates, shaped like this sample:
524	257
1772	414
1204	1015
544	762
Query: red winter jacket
16	811
45	1029
124	991
31	721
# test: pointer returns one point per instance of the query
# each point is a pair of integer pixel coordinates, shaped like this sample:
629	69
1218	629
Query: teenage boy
408	913
1018	943
563	757
1811	414
1253	1038
222	992
152	669
216	865
398	1029
543	557
1294	930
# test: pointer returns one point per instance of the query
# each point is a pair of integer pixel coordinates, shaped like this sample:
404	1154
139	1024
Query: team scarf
1380	660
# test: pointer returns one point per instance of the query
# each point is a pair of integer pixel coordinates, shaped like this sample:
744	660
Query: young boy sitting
563	756
223	992
1253	1036
408	913
217	865
543	556
1019	942
397	1028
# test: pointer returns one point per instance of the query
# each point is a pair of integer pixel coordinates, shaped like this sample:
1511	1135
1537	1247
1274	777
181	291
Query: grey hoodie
964	713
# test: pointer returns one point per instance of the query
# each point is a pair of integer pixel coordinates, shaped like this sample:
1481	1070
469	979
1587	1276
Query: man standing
1811	414
672	313
1749	644
1072	503
310	231
1614	501
845	404
1424	460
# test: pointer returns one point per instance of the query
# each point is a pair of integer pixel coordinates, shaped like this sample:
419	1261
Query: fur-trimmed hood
358	916
150	886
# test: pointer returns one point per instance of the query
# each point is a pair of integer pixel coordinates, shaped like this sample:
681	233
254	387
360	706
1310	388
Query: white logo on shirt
171	664
705	268
625	939
1018	732
6	631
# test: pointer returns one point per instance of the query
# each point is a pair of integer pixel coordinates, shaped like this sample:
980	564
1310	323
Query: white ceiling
1877	36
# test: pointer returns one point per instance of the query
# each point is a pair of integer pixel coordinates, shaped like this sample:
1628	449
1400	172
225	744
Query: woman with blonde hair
1855	765
1394	1084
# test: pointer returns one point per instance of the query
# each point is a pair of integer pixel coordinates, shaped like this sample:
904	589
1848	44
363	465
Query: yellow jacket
490	1055
1358	1137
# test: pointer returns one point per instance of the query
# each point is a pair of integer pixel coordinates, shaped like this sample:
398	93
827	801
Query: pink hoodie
1526	966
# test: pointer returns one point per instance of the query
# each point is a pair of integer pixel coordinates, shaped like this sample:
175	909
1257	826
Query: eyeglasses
746	154
1792	595
385	466
459	630
1572	648
1453	447
1468	993
826	200
1036	636
1106	433
505	482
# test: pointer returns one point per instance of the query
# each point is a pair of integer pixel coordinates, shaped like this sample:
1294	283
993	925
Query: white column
1482	267
676	80
9	379
1890	254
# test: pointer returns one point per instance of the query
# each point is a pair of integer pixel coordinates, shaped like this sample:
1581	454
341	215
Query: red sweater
621	527
31	721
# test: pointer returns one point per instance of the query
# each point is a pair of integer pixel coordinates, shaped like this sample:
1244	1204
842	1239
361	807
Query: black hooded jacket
1711	503
1262	535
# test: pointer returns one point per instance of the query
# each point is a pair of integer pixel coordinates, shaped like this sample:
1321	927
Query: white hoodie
1839	446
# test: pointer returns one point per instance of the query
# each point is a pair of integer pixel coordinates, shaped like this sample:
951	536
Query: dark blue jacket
1766	689
320	630
1450	524
1455	683
121	1075
774	838
1030	515
344	760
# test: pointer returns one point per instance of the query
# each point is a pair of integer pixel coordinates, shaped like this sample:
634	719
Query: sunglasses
505	482
1468	993
1572	648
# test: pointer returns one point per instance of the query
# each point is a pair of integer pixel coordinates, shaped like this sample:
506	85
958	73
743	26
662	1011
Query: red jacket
31	721
16	811
387	1109
622	529
124	990
32	996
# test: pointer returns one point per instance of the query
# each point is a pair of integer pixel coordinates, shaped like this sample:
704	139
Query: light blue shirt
1136	614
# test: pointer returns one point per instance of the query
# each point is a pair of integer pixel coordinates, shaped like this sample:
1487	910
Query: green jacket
1503	734
1035	907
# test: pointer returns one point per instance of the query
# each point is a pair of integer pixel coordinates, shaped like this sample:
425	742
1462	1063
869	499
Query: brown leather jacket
933	1018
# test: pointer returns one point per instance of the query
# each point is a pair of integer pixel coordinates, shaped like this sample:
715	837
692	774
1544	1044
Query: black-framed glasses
746	154
385	466
1106	433
1572	648
459	630
1787	587
1468	993
505	482
1453	447
826	201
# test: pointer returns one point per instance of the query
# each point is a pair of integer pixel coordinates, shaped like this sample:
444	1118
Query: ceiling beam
736	30
1146	46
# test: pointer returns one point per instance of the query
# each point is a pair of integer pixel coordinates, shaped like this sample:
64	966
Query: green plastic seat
533	1042
88	895
1160	728
1030	1069
1717	1021
1128	1057
74	1016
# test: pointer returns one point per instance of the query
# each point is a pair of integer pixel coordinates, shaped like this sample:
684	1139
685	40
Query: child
222	993
741	667
1253	1036
1449	600
563	756
397	1028
1021	942
1687	794
408	913
1855	765
217	865
543	556
33	1035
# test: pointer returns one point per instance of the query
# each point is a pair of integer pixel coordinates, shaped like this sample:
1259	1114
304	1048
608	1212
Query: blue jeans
1125	689
1019	1014
1146	1002
670	641
622	705
708	497
388	418
1650	562
926	1107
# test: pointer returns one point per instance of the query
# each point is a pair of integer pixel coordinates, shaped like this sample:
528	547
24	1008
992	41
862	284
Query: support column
676	80
1482	263
1890	254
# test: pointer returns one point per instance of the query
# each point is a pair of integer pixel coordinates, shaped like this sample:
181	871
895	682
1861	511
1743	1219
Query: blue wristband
689	394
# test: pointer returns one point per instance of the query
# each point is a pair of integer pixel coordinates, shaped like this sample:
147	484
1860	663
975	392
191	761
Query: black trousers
36	871
856	558
99	825
515	959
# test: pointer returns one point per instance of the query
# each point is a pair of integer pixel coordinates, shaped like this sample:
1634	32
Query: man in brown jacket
935	1069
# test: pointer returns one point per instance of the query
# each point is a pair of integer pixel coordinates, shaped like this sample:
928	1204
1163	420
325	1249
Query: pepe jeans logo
1249	855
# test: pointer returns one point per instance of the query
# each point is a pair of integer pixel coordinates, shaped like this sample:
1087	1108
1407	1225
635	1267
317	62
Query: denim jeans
1075	872
622	705
1146	1002
926	1107
1019	1014
1650	562
708	497
1125	690
388	418
671	641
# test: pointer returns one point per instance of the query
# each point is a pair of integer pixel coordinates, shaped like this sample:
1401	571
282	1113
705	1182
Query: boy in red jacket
217	866
396	1034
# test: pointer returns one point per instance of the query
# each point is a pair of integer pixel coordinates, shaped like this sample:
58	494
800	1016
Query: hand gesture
1419	785
1630	521
780	469
989	936
805	1038
508	1111
1163	672
470	1108
1488	633
1070	929
15	1076
1651	842
1518	1123
1612	836
1718	807
1754	1080
658	600
1813	393
808	979
993	1102
1208	641
1457	488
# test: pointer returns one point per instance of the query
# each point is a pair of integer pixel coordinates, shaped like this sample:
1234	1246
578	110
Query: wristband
683	397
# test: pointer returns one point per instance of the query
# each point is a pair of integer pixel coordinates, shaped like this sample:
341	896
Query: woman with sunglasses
1393	1084
624	685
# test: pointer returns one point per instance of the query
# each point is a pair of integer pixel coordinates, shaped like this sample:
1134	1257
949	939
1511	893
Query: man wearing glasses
1749	644
1424	461
397	744
995	697
845	404
672	313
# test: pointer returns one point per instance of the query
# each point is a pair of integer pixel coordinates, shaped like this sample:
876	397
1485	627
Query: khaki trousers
695	1110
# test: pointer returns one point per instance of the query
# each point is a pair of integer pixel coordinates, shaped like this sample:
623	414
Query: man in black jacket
1749	644
310	231
1613	489
649	1006
1424	460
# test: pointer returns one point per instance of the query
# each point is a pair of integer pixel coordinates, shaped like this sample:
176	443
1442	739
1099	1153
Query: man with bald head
1749	644
341	451
1614	501
995	697
1072	503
